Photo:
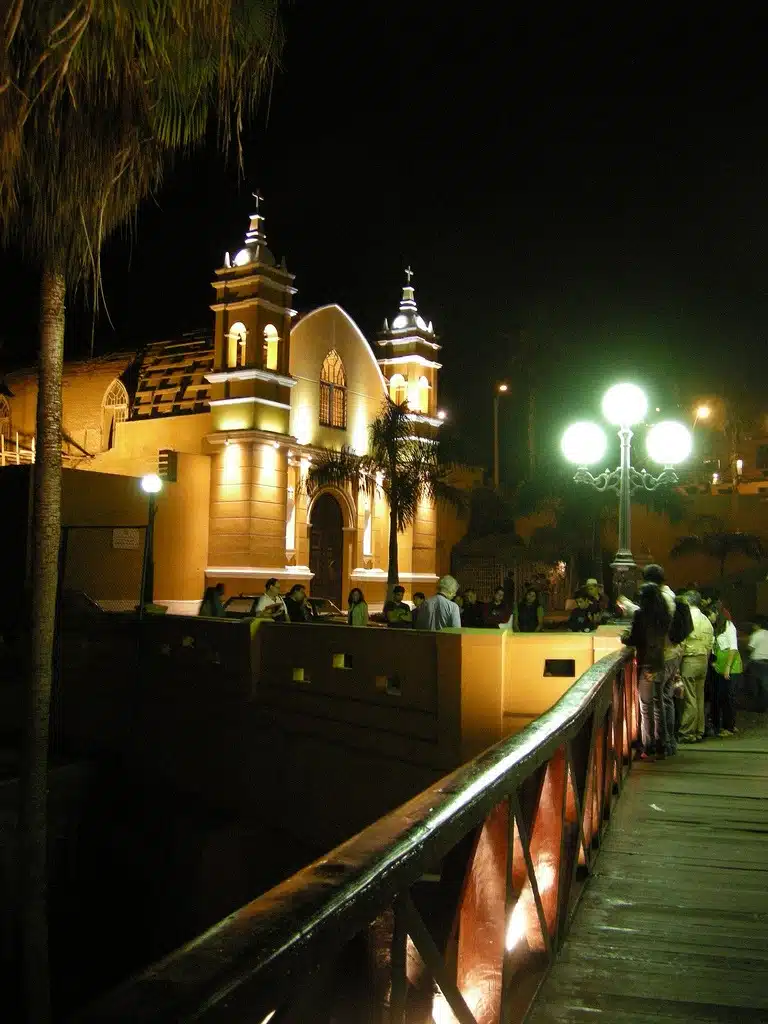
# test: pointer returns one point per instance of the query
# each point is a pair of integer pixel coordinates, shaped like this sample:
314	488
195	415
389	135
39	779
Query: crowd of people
689	663
690	668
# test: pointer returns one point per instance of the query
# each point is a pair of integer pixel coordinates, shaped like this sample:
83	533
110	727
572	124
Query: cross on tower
259	199
408	274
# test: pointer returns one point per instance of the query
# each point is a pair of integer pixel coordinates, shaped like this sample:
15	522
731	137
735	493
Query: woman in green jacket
358	609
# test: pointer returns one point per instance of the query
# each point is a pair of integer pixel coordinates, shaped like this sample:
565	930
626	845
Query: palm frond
99	96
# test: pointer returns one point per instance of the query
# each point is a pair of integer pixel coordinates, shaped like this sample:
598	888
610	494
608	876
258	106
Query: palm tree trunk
393	577
46	534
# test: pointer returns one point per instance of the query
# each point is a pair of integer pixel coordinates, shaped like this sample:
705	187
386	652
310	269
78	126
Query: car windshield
323	606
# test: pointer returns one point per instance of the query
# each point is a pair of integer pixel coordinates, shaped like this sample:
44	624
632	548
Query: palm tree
95	99
405	469
720	544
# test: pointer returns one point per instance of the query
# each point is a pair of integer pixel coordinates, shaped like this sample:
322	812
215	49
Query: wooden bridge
484	899
673	925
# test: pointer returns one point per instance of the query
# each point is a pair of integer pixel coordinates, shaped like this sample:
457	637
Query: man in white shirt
693	670
271	605
440	612
757	669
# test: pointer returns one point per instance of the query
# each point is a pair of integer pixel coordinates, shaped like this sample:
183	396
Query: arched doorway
326	548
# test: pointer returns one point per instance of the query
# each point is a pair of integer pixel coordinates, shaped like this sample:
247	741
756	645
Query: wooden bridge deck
673	926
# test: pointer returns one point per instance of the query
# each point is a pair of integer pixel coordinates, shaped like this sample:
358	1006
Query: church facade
246	410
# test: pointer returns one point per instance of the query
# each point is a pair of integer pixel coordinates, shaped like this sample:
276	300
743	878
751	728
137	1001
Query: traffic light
167	465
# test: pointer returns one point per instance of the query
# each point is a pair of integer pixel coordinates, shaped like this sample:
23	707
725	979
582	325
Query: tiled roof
172	377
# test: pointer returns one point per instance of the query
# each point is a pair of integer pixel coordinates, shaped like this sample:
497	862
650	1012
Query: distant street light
151	484
584	444
703	412
501	389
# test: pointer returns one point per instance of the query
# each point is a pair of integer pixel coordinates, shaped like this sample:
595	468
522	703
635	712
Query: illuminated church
245	415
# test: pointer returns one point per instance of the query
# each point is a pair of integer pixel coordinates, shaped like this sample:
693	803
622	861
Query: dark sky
599	184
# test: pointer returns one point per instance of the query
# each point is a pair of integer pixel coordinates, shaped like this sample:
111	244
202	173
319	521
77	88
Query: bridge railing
448	909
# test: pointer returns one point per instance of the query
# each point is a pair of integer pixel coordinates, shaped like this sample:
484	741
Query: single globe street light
151	485
500	389
584	444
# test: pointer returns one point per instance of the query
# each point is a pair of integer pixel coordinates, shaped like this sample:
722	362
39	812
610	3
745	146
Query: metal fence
103	563
486	573
450	908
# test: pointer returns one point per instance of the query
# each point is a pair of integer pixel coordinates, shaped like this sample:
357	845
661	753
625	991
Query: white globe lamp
584	443
624	405
669	443
151	483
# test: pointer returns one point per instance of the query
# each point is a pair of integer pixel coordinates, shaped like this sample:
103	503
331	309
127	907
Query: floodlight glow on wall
584	443
624	405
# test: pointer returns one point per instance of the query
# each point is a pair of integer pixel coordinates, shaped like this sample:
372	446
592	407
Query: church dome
255	249
408	317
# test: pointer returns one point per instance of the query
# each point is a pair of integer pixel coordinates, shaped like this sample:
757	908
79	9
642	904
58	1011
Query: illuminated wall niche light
271	347
232	463
236	342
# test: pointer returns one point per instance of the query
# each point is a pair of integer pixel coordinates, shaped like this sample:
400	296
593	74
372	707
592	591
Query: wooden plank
673	925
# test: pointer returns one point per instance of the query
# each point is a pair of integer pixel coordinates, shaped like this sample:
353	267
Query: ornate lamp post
151	484
668	443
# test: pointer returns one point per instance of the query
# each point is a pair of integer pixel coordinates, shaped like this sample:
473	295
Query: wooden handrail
247	965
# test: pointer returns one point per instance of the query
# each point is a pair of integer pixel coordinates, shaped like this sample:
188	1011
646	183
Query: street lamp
584	444
702	413
501	389
151	484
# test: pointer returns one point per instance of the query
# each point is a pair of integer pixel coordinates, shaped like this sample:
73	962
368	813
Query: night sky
581	196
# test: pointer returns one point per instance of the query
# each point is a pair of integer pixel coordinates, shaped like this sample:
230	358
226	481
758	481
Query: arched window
333	392
423	394
397	388
5	418
271	347
114	410
236	346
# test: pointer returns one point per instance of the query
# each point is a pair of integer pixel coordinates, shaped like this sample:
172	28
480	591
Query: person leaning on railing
697	647
727	669
649	636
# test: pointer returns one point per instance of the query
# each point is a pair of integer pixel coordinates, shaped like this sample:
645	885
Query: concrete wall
343	724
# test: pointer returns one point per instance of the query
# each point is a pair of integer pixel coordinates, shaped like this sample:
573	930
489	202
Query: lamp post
151	484
702	413
668	443
501	389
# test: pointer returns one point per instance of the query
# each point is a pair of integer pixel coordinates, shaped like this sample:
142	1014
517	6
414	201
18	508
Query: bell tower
408	359
250	380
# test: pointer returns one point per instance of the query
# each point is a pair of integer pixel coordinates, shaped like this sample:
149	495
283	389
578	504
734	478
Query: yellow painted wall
138	442
181	532
313	337
83	389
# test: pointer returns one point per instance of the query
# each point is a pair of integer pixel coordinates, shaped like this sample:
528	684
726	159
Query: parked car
321	609
241	607
324	610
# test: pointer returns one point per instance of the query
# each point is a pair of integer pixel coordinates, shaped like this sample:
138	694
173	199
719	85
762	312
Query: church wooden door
325	549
